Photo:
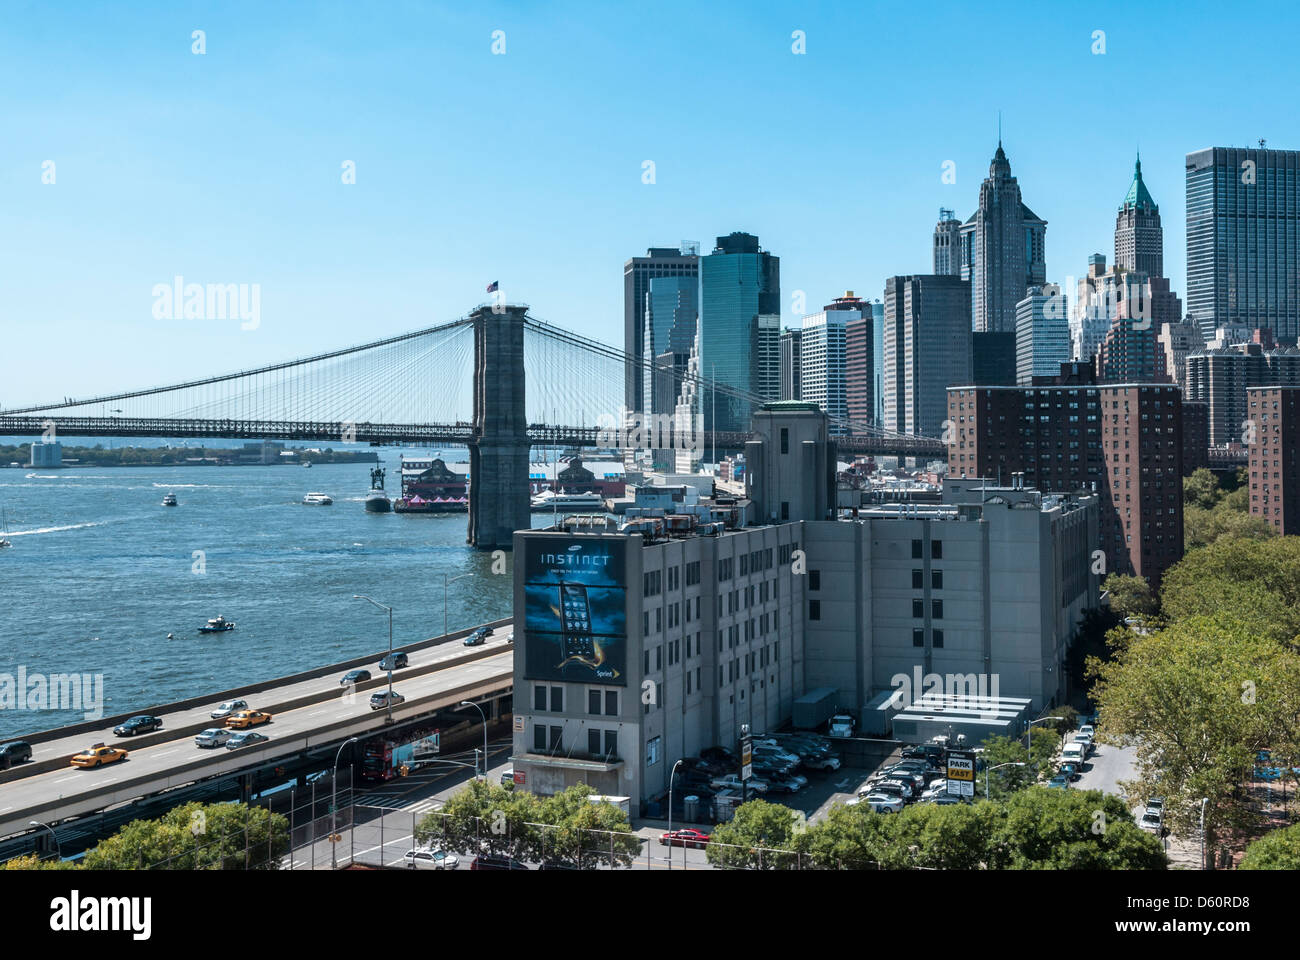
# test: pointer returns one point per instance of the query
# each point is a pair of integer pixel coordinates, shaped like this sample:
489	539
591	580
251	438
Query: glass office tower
1243	240
670	315
740	315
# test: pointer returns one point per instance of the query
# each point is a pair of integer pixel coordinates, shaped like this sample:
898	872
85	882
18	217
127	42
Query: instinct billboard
575	598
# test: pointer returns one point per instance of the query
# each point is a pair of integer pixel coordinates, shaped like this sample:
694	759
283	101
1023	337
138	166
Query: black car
399	660
720	756
14	753
353	677
143	723
478	636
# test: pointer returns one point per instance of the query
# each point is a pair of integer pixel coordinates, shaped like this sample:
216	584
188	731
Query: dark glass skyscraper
740	316
637	274
1243	239
671	310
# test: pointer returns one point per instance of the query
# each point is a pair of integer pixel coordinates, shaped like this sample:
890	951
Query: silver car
213	737
226	709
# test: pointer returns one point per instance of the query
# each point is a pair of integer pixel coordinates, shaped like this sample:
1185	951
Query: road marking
64	779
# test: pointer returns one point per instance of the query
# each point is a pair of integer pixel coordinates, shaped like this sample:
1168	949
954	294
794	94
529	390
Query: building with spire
1003	250
1139	238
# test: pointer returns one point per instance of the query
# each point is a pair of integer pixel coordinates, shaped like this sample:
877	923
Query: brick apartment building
1274	493
1068	433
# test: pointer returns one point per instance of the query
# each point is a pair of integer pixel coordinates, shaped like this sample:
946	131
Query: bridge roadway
420	434
307	710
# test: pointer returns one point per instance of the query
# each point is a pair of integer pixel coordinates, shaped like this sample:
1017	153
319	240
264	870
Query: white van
1073	753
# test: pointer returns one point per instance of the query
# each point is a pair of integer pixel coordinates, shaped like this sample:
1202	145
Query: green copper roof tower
1139	238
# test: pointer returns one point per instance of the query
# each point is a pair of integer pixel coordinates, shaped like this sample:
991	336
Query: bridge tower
498	454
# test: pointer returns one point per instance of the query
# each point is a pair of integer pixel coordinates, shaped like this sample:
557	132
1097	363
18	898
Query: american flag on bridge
492	287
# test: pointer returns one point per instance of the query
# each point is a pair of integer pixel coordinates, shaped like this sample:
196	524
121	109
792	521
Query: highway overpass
310	710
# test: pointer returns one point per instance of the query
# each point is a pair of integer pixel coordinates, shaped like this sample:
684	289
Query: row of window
550	699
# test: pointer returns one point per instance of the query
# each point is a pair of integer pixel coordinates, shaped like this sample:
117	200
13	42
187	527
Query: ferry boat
169	500
318	499
376	500
568	502
217	624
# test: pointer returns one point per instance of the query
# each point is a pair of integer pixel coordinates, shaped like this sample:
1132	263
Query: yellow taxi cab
98	755
247	718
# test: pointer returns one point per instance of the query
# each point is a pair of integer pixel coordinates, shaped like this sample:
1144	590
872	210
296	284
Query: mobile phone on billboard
576	611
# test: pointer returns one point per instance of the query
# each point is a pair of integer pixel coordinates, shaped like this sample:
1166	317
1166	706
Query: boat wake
73	526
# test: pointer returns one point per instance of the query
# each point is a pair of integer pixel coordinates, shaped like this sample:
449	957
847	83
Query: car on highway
398	659
490	862
478	637
226	709
382	699
434	859
212	737
246	739
1059	782
247	718
143	723
353	677
14	752
98	755
694	839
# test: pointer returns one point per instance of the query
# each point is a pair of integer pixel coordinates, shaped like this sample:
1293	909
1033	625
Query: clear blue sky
527	168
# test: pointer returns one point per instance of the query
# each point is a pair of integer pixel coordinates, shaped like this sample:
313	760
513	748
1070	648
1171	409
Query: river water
100	572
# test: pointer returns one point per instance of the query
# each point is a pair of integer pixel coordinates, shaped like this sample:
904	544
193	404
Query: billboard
961	773
575	619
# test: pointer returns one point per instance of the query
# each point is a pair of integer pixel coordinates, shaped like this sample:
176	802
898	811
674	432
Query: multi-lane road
306	714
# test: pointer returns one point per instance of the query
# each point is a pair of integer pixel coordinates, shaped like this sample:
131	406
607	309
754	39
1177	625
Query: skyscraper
947	244
1042	334
671	309
927	349
1139	238
821	350
740	316
790	361
637	274
1003	250
860	368
1243	239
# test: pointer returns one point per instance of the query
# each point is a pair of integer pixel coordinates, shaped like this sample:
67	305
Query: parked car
212	737
247	718
14	753
1150	821
434	859
143	723
935	790
946	800
382	699
1059	782
398	659
781	784
720	756
822	762
879	802
1157	804
489	862
508	777
478	637
247	739
732	781
353	677
1070	770
226	709
98	755
1089	729
684	838
894	788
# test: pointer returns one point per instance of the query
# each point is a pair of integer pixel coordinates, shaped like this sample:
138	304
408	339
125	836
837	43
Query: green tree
584	833
197	836
1277	850
1256	581
1198	700
849	838
759	837
1130	596
1044	829
1201	489
485	818
33	862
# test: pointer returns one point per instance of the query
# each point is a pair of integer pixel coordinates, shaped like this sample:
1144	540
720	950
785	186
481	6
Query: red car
685	838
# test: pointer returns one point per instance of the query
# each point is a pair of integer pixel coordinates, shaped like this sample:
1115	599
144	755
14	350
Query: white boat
376	500
169	500
306	463
217	624
567	502
4	530
318	499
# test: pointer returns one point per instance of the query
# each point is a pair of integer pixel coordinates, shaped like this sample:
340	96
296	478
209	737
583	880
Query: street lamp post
334	804
58	850
471	703
445	582
1014	763
1029	729
670	819
389	661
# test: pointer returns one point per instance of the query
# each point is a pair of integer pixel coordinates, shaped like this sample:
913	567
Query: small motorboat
306	463
217	624
169	500
318	499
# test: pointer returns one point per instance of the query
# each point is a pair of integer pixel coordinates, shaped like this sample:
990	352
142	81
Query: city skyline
167	167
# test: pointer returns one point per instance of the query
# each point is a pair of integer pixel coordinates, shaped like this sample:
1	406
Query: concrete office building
740	307
680	261
821	352
927	341
1003	250
1178	341
1070	433
860	370
1274	472
878	359
709	612
1243	239
1042	334
1131	353
791	360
